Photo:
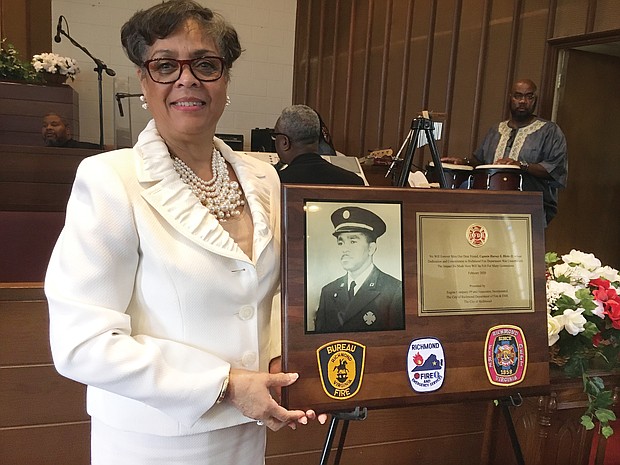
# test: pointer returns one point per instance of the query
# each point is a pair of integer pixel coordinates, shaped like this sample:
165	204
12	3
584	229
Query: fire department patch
425	364
341	365
477	235
505	355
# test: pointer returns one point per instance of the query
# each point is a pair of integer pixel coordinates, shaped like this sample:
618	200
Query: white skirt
237	445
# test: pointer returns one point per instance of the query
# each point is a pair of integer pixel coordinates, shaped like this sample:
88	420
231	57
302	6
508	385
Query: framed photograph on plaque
398	296
353	267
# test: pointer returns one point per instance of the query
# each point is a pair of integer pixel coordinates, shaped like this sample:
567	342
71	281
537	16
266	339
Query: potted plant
12	68
583	325
56	69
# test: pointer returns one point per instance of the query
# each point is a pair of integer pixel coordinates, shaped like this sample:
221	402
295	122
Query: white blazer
151	302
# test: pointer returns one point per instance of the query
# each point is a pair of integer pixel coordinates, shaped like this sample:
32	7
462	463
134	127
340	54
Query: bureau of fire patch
341	365
425	364
505	355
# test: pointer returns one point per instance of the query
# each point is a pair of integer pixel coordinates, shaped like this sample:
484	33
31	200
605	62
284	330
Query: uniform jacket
377	305
151	302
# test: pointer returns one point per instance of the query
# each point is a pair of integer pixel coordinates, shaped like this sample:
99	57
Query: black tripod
421	123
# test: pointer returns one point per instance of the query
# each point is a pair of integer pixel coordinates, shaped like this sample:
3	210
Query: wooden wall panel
38	395
460	58
22	107
571	18
43	418
27	24
607	15
393	437
24	322
46	445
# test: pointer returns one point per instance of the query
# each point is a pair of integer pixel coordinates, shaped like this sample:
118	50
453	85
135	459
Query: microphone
58	29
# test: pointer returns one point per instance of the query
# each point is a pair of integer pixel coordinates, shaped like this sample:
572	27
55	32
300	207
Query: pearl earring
227	100
145	105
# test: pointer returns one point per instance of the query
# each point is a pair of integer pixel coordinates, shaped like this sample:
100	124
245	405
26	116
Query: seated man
296	136
56	132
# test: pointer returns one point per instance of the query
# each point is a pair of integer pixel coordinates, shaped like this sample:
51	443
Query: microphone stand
121	95
101	66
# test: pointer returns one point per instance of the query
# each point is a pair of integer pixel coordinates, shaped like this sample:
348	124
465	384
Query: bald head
523	101
524	82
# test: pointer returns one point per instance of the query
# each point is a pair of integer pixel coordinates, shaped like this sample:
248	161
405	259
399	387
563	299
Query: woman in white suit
161	285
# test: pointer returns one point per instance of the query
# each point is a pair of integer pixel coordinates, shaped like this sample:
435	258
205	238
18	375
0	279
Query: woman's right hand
249	392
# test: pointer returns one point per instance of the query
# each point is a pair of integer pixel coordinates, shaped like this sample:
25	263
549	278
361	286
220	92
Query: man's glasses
519	96
276	134
169	70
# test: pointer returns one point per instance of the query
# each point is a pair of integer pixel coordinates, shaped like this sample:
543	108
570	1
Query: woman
161	285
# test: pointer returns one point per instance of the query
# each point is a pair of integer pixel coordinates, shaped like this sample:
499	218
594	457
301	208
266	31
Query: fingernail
294	376
303	420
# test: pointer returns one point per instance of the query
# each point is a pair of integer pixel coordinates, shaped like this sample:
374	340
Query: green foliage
12	68
551	258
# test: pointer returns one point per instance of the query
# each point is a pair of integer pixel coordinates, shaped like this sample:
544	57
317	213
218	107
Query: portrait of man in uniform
362	297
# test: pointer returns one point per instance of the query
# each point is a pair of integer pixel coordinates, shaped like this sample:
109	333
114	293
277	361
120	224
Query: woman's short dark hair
161	20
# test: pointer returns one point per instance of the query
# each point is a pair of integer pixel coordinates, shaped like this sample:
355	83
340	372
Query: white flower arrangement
55	64
583	324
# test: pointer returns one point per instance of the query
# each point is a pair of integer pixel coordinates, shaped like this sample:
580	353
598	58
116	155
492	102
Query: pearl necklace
220	195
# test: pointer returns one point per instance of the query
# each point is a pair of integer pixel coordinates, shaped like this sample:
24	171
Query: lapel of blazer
172	199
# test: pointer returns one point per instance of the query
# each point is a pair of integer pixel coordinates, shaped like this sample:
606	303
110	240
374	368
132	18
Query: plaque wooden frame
385	381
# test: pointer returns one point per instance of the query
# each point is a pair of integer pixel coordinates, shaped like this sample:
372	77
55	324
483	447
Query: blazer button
248	359
246	312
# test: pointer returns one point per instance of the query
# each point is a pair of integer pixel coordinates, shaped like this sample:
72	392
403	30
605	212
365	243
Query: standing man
365	298
536	145
296	135
56	132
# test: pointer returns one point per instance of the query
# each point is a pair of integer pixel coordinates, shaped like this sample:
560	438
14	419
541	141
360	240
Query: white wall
261	84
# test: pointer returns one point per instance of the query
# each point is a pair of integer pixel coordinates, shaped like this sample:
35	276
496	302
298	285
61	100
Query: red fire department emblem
476	235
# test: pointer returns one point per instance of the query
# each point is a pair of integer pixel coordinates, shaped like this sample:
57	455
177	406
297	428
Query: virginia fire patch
505	355
341	365
425	364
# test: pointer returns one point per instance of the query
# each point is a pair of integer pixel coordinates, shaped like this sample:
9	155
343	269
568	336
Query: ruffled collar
173	199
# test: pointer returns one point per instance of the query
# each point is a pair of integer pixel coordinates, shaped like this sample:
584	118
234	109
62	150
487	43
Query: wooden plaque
423	348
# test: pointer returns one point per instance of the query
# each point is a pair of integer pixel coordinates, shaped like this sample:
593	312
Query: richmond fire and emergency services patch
341	365
505	355
425	364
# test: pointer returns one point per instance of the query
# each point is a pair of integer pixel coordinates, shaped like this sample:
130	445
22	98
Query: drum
455	175
496	178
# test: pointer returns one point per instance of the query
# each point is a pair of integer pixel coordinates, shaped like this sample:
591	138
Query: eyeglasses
169	70
519	96
276	134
